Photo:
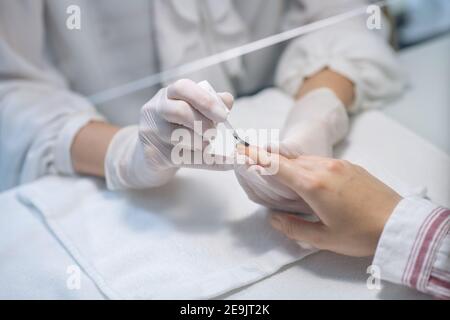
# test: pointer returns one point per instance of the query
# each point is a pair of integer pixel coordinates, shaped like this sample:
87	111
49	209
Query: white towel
197	237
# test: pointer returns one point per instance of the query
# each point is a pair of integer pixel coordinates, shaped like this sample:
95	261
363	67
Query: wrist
65	157
382	215
89	146
341	86
118	155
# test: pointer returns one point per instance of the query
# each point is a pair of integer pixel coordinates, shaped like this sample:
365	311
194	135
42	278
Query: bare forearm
89	148
340	85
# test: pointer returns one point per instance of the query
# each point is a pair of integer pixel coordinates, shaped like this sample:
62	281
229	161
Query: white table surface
322	275
425	109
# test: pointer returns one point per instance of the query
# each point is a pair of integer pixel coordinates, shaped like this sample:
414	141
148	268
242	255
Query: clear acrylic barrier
121	54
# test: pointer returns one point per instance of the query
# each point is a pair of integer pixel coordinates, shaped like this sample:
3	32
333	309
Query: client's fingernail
265	158
240	149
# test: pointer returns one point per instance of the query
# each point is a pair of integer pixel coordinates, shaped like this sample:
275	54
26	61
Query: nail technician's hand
315	124
352	205
141	156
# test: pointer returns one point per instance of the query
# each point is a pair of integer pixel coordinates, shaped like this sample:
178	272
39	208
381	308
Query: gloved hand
316	123
141	156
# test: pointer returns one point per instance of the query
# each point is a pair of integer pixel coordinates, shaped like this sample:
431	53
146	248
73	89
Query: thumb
227	98
300	230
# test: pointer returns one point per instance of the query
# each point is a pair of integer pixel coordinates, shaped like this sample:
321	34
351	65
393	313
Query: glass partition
118	55
114	56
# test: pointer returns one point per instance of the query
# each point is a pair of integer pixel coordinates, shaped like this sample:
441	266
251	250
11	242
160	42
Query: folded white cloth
197	237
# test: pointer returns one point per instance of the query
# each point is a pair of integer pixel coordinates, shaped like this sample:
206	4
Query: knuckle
315	183
336	165
297	183
207	102
179	85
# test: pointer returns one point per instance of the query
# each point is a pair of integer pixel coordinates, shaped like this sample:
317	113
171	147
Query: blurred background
420	20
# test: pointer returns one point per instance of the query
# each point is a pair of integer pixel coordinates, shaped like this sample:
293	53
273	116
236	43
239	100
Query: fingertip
227	98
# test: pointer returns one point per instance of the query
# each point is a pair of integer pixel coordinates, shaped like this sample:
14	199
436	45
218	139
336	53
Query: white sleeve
39	115
414	248
349	48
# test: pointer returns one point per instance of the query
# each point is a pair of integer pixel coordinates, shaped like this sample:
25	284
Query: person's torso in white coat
123	41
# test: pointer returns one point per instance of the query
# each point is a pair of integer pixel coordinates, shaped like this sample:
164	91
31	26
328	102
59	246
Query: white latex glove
140	156
316	123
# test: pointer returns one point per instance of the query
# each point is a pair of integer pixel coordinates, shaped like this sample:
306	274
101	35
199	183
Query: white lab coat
47	71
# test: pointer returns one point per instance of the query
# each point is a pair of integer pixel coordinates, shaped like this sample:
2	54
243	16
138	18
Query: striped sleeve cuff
412	240
439	283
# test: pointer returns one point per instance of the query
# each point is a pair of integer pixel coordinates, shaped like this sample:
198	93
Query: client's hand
315	124
352	205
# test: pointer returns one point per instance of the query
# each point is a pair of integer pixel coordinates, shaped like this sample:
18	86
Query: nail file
206	86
